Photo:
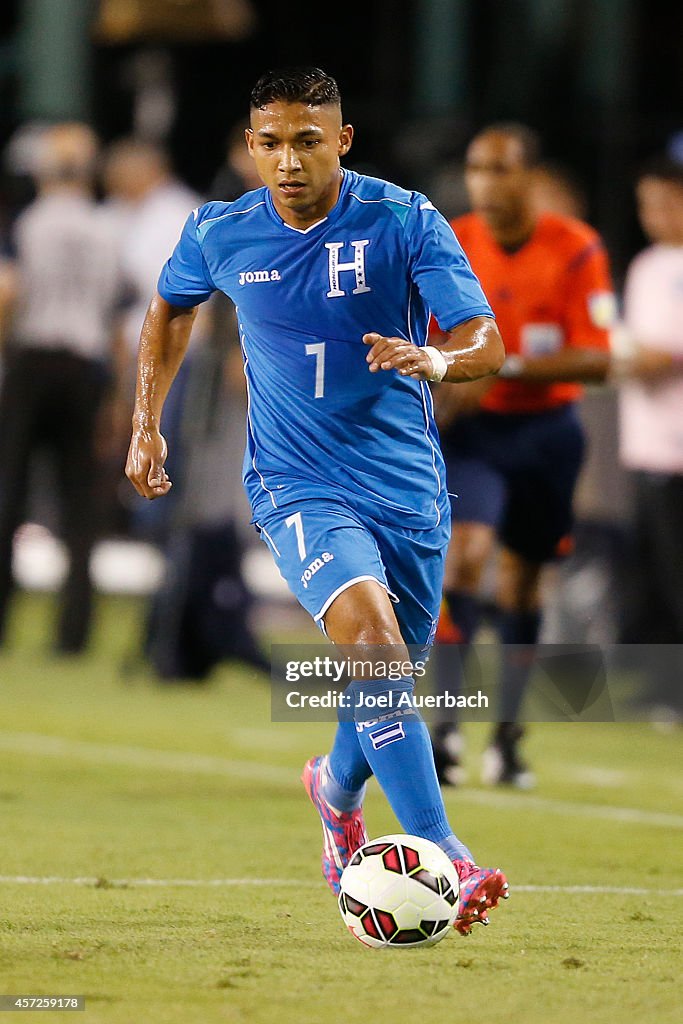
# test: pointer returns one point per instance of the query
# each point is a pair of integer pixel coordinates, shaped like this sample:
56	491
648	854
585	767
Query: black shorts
516	472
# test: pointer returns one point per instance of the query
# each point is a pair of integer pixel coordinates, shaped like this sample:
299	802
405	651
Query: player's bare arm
472	350
592	365
163	343
649	365
8	295
580	365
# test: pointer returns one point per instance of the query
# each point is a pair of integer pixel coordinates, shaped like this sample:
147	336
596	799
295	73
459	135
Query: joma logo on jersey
257	276
314	567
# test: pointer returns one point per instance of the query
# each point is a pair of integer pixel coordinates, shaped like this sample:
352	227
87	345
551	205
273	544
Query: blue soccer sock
518	634
348	770
397	747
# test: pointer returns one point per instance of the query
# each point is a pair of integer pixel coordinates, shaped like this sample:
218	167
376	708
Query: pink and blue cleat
480	891
343	831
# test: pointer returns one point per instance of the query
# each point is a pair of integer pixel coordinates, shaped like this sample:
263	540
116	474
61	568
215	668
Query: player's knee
376	634
363	616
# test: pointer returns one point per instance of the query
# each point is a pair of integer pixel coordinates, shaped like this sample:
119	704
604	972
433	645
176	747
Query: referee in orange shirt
514	446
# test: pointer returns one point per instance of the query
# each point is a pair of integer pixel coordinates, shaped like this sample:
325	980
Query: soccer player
334	274
514	446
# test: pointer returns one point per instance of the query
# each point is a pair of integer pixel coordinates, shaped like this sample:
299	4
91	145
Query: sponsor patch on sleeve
541	339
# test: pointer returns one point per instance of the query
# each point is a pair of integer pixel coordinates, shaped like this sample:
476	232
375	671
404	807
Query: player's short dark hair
308	85
662	168
528	138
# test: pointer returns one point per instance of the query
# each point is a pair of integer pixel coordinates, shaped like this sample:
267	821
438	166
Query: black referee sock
464	611
519	633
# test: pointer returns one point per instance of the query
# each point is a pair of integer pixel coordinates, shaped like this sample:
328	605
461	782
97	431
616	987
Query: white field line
605	890
567	808
139	883
39	745
217	883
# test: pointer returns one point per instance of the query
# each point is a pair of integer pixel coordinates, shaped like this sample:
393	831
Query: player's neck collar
330	217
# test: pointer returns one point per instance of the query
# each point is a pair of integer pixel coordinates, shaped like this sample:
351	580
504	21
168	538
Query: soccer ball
399	891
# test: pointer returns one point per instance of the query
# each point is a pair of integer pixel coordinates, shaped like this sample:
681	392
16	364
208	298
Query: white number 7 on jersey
318	350
295	521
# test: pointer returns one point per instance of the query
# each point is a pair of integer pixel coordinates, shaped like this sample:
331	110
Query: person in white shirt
148	206
651	424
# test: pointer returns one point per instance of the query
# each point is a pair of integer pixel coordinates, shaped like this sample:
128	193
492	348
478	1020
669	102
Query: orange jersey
554	292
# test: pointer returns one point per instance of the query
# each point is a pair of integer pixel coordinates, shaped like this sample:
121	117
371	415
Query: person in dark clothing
64	297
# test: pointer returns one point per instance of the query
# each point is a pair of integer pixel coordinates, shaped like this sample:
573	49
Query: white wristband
438	361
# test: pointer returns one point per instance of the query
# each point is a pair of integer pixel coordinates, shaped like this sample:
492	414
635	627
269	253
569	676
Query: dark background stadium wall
210	81
601	79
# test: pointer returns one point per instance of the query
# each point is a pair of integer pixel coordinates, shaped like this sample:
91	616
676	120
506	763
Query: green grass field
159	856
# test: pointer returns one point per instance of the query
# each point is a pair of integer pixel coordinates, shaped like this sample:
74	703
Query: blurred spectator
584	602
238	172
651	436
148	206
65	286
200	615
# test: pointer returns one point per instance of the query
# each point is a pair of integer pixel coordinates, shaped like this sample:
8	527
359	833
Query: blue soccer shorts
516	473
322	547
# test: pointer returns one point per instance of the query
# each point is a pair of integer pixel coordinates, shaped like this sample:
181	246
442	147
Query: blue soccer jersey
318	420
